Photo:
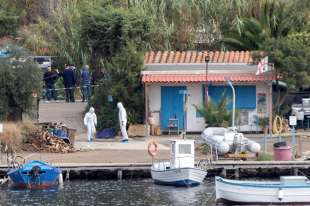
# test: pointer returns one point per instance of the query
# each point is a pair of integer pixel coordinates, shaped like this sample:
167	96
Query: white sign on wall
1	128
293	120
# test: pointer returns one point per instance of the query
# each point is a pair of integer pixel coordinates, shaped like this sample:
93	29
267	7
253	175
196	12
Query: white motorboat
290	189
180	170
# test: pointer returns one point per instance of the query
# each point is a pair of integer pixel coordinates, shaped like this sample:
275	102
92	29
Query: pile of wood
46	142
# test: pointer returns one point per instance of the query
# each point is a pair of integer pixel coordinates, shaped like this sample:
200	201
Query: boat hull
34	175
268	192
179	177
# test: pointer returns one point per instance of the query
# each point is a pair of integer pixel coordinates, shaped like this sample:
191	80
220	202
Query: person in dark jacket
69	82
50	78
86	83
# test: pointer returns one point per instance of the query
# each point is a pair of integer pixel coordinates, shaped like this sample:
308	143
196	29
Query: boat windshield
184	149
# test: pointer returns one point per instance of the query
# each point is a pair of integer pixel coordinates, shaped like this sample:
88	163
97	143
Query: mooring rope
304	174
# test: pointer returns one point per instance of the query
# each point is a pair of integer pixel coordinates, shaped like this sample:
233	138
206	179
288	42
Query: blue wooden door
172	105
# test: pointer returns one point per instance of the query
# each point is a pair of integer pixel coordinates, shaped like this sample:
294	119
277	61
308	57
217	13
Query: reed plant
11	137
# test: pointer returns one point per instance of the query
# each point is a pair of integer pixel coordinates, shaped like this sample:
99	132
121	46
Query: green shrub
9	18
264	157
18	81
123	85
203	148
217	114
9	24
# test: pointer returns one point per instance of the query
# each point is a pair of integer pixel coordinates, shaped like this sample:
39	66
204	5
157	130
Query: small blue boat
34	175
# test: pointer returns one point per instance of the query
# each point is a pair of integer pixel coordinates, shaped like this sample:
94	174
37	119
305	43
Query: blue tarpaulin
61	134
106	133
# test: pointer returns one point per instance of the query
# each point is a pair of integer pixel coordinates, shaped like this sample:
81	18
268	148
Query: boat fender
280	194
60	179
223	147
152	148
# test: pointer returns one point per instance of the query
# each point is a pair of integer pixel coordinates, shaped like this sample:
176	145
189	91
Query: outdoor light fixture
229	82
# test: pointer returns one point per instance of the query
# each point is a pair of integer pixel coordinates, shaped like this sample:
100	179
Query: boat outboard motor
35	171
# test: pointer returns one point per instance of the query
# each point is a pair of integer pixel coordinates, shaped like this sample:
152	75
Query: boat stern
34	175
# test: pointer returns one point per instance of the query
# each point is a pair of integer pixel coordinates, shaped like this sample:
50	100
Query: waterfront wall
254	169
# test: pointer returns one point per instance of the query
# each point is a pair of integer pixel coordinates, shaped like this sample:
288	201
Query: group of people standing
69	76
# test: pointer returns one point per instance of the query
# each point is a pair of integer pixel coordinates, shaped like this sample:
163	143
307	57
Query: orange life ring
152	148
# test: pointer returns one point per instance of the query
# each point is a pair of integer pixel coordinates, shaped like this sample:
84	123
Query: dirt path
94	156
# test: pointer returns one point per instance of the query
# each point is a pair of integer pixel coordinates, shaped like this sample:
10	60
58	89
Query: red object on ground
283	153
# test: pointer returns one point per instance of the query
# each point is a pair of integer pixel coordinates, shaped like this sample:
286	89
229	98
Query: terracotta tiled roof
188	78
173	57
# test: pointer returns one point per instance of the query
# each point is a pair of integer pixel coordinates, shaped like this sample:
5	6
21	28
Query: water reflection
135	192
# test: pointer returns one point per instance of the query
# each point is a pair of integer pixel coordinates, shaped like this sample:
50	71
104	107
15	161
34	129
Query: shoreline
235	170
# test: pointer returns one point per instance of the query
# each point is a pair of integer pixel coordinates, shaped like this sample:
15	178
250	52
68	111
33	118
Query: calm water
133	192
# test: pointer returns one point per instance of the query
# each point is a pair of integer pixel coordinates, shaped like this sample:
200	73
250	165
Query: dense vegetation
111	36
20	78
9	19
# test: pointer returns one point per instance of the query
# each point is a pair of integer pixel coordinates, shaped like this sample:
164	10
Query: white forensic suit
90	122
122	117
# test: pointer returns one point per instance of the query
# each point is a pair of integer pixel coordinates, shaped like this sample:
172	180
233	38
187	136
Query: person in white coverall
122	117
90	122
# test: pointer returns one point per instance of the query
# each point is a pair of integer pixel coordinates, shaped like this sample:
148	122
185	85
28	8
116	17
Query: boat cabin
293	180
182	153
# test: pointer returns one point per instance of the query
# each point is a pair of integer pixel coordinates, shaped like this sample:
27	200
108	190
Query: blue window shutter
216	92
245	95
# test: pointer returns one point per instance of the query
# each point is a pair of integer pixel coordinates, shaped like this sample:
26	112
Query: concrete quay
230	169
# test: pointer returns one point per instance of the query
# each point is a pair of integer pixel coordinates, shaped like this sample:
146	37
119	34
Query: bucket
282	153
